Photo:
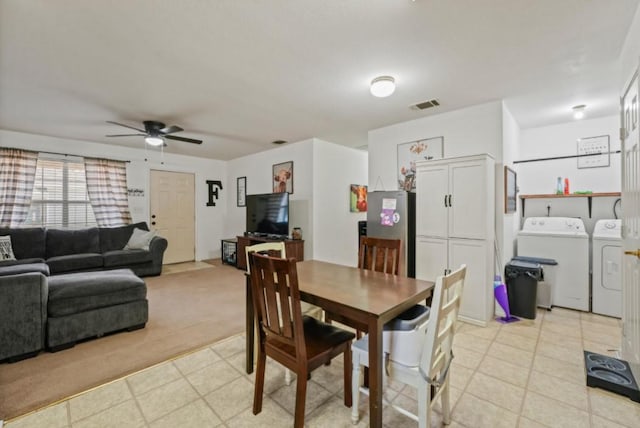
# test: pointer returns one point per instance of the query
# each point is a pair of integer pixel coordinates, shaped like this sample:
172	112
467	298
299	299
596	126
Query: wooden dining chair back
273	249
300	343
430	376
379	254
278	249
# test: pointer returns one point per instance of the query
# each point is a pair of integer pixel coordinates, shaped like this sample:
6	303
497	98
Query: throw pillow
140	239
6	250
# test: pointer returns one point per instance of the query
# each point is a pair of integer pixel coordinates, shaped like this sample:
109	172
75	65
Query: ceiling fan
155	133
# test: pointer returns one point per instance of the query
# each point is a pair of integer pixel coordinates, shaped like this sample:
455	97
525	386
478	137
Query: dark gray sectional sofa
97	248
66	286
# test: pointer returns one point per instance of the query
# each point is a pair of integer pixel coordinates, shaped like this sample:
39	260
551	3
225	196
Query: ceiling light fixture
383	86
153	141
578	111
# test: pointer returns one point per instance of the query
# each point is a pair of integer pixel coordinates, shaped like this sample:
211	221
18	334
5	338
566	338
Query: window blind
60	195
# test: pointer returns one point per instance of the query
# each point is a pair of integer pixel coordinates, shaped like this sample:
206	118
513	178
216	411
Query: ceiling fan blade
126	126
125	135
186	140
171	129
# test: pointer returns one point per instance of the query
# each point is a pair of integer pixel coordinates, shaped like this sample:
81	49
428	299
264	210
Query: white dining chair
430	369
277	248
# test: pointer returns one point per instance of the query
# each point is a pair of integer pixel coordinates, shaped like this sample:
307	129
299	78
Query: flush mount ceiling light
153	141
578	111
383	86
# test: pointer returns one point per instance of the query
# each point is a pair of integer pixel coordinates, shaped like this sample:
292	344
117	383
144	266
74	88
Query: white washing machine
606	284
565	240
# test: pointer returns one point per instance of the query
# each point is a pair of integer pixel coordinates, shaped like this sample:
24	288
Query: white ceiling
242	73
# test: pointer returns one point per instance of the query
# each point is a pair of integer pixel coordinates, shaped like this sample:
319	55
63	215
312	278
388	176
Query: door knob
633	253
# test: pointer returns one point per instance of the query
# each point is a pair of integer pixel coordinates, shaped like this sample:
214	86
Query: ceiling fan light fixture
578	111
153	141
383	86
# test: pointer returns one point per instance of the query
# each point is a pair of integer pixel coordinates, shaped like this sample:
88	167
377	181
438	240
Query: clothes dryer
565	240
606	283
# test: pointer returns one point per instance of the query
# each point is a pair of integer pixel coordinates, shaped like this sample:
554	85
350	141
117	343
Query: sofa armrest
23	314
157	247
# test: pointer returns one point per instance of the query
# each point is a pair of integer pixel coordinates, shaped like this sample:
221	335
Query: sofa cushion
79	292
126	257
6	251
140	239
27	243
20	262
24	268
65	242
75	262
115	238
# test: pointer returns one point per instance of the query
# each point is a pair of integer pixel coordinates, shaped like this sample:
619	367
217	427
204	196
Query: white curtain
107	188
17	175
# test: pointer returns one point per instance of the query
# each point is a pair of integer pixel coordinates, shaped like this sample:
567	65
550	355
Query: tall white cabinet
455	224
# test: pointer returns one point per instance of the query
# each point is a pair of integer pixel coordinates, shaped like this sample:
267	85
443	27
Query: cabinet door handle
445	200
449	200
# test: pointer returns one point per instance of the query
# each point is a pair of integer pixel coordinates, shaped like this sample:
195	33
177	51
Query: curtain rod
567	157
68	154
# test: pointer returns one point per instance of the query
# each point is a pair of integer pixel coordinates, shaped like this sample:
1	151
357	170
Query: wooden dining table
365	297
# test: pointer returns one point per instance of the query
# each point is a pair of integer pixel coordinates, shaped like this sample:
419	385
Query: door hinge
623	134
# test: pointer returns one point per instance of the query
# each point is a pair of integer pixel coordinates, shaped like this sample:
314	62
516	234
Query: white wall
336	167
209	220
323	172
258	170
630	54
540	177
561	140
467	131
510	152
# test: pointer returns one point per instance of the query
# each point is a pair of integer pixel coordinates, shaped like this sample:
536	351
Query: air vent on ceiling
426	104
278	142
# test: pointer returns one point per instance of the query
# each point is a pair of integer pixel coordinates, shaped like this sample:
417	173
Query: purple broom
500	293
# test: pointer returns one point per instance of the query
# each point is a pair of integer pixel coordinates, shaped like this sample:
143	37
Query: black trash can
522	287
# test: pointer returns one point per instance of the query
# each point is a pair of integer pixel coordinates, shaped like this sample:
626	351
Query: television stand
293	247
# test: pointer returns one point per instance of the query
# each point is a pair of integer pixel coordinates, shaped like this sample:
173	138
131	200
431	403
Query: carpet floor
187	310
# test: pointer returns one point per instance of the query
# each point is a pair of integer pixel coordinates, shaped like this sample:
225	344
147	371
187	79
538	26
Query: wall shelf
589	197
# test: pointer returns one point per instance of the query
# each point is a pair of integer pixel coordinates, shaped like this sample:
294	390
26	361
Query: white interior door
173	213
631	223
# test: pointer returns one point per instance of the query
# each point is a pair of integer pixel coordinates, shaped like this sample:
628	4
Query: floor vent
426	104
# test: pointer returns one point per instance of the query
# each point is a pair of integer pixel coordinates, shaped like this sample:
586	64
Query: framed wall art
593	152
282	176
409	153
241	197
510	190
358	198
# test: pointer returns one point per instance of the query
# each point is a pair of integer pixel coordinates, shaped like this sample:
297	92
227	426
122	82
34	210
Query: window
60	195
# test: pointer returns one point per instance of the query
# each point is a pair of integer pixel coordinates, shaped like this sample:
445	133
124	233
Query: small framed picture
409	153
510	190
283	177
242	191
358	200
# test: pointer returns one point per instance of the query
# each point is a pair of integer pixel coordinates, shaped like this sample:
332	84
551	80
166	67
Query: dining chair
377	254
300	343
430	374
278	249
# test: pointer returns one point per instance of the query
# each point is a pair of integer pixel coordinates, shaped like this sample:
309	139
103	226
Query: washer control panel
610	228
553	224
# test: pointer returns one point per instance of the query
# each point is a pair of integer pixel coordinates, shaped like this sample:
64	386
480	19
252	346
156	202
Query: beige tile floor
527	374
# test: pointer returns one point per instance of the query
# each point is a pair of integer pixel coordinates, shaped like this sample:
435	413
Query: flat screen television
268	214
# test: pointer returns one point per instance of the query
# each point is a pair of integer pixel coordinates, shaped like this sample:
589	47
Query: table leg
250	330
375	374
